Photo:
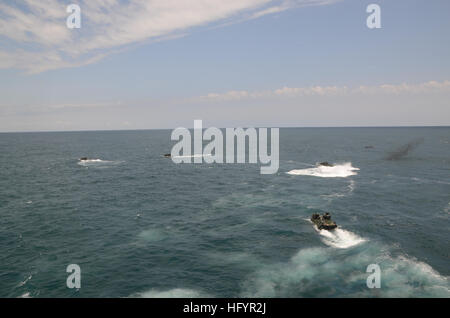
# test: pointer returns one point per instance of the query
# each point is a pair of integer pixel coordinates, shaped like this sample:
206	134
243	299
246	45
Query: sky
235	63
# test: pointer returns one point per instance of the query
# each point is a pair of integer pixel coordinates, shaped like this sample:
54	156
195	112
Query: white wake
98	163
337	171
340	238
92	161
194	156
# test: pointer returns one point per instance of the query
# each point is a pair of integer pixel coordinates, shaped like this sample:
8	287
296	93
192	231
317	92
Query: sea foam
98	163
342	170
91	161
340	238
328	272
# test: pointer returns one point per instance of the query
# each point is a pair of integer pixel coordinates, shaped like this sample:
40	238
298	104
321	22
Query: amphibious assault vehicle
323	222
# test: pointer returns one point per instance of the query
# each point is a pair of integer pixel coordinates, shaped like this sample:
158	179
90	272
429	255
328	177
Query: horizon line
280	127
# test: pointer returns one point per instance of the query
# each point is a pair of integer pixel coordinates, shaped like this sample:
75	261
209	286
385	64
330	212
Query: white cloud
288	4
426	87
34	36
42	108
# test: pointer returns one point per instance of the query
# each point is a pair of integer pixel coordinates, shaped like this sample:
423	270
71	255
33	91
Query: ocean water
139	225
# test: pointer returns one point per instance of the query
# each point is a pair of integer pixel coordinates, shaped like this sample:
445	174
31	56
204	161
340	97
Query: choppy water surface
139	225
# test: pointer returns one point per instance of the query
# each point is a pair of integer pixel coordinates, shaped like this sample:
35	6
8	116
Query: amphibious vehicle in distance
323	222
325	164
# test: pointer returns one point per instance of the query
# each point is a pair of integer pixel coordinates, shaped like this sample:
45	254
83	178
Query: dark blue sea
139	225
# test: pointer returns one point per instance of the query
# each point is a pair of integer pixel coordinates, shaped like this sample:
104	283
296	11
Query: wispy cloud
34	36
235	95
46	108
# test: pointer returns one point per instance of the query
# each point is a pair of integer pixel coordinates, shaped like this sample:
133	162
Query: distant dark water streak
404	150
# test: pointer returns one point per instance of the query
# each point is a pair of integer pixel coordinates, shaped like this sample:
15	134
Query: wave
349	190
342	170
429	181
324	272
25	281
351	186
152	235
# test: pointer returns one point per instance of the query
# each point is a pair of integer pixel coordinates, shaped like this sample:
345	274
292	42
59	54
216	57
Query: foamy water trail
351	186
194	156
83	162
97	163
340	238
337	171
